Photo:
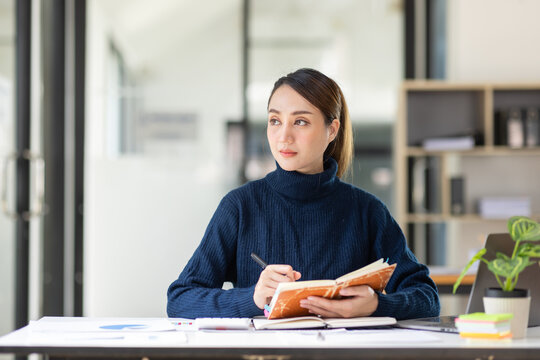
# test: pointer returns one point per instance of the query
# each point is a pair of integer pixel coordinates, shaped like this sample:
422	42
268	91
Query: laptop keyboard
448	321
442	323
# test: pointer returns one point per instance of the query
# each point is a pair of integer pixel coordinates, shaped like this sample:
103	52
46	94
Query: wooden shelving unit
479	151
445	283
430	109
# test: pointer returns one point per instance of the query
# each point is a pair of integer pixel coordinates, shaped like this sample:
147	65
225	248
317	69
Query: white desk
333	344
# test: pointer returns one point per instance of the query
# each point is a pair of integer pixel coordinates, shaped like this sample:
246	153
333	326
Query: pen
263	264
258	260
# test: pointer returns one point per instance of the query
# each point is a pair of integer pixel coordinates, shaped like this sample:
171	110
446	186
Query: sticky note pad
480	316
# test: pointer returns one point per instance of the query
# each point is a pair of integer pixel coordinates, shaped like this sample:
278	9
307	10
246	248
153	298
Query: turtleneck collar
300	186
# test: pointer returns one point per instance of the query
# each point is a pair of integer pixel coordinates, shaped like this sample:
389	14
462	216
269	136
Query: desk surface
450	279
333	344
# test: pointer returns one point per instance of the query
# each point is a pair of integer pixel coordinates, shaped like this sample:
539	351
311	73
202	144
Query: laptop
529	279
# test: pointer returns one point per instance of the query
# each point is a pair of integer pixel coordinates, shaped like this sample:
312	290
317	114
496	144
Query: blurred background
146	113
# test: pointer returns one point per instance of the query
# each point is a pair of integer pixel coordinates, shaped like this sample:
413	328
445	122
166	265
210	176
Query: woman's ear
333	130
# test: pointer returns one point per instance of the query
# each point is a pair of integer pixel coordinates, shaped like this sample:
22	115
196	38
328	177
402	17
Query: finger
277	277
283	270
323	303
297	275
341	308
280	268
289	275
263	292
349	307
268	285
361	290
314	309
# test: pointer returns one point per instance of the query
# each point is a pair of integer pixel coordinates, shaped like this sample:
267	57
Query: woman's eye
274	122
301	122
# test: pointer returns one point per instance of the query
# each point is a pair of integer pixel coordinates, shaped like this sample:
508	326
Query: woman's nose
286	135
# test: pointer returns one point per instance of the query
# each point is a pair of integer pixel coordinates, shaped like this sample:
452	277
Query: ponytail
341	148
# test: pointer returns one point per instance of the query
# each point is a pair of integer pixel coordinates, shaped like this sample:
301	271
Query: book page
379	264
359	322
303	284
301	322
304	322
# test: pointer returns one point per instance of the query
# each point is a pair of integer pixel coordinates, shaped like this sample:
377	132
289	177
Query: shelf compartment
477	151
446	113
436	218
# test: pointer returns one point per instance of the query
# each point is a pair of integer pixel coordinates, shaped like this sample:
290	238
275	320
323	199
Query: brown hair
325	94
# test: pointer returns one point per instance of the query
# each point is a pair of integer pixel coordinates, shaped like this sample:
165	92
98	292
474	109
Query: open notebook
307	322
286	300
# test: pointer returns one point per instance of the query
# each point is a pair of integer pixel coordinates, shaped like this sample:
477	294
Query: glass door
7	148
160	95
21	166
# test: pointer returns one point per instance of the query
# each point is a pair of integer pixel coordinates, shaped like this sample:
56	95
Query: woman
303	219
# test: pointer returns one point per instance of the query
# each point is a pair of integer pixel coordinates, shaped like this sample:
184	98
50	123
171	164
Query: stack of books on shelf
484	326
448	143
498	207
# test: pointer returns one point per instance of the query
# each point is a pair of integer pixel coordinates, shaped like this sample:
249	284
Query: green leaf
529	250
522	228
500	255
474	259
508	268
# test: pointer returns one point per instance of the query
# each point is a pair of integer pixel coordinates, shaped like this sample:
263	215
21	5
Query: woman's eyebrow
297	112
302	112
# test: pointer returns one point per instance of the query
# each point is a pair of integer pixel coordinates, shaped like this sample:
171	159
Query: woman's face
297	133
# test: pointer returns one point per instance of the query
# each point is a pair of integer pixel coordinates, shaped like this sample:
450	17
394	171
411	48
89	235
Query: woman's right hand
269	279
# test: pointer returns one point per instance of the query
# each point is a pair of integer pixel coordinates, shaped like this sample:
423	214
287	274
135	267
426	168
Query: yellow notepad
495	336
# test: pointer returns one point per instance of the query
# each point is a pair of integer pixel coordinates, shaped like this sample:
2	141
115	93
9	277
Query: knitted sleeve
410	293
198	290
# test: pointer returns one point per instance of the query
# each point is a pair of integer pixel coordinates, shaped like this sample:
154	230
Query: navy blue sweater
321	226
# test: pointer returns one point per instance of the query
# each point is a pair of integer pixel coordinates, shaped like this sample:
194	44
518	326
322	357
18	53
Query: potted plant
507	269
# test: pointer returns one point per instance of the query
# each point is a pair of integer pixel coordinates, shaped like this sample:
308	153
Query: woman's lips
287	153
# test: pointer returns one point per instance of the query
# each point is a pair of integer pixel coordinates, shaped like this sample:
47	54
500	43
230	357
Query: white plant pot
516	302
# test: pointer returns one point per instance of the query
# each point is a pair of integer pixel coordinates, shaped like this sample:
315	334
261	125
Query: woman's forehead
286	99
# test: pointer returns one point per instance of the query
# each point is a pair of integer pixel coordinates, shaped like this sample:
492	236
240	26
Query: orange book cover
286	300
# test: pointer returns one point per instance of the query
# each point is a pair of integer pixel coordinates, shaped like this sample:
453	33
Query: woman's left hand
357	301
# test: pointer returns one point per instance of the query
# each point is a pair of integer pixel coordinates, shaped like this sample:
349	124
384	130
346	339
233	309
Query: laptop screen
528	279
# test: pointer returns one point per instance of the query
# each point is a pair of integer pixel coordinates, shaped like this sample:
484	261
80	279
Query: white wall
144	215
149	215
493	40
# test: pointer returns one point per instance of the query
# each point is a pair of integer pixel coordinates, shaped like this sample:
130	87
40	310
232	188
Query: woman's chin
287	166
